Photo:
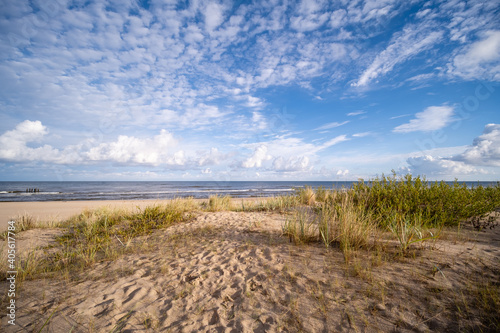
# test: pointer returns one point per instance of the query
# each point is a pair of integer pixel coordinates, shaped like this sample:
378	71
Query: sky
249	90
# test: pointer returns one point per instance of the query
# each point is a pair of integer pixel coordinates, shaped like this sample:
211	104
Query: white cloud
13	145
334	141
193	116
421	77
260	155
331	125
309	22
291	164
343	172
436	166
338	18
409	43
400	116
287	153
485	149
356	113
468	17
431	119
27	131
132	150
362	134
213	16
193	34
213	157
480	60
371	11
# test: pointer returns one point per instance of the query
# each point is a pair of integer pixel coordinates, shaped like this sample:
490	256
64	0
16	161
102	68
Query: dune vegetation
385	221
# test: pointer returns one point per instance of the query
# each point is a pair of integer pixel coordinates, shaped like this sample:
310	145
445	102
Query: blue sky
262	90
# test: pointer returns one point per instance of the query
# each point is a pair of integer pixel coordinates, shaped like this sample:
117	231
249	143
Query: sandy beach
231	271
60	210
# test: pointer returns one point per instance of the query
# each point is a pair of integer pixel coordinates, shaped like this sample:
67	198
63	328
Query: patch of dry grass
218	203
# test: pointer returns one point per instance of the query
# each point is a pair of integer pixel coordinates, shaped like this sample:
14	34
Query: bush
437	203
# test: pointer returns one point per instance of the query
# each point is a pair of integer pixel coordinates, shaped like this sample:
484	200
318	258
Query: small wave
220	191
29	193
277	190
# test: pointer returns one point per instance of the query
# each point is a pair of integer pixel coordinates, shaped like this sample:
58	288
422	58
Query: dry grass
301	227
280	204
346	224
218	203
306	195
26	221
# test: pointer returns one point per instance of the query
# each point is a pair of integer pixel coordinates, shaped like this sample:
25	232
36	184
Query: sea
137	190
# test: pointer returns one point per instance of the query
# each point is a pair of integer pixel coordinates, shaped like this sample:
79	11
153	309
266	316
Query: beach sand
58	210
236	272
47	211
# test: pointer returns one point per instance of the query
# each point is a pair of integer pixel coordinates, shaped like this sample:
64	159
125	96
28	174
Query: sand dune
235	272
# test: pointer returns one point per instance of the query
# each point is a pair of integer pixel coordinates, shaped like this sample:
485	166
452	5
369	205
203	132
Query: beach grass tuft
279	204
301	227
218	203
306	195
344	223
26	222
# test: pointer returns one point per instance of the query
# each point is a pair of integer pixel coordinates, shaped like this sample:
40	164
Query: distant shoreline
163	190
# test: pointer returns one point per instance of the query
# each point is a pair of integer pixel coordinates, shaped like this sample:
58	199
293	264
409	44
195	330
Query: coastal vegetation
411	208
386	220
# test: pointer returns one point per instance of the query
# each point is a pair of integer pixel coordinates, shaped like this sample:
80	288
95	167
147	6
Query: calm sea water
67	191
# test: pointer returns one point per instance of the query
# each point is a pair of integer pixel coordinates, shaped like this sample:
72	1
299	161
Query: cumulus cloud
286	153
213	157
343	172
259	155
484	152
436	166
127	149
23	144
485	149
14	144
431	119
